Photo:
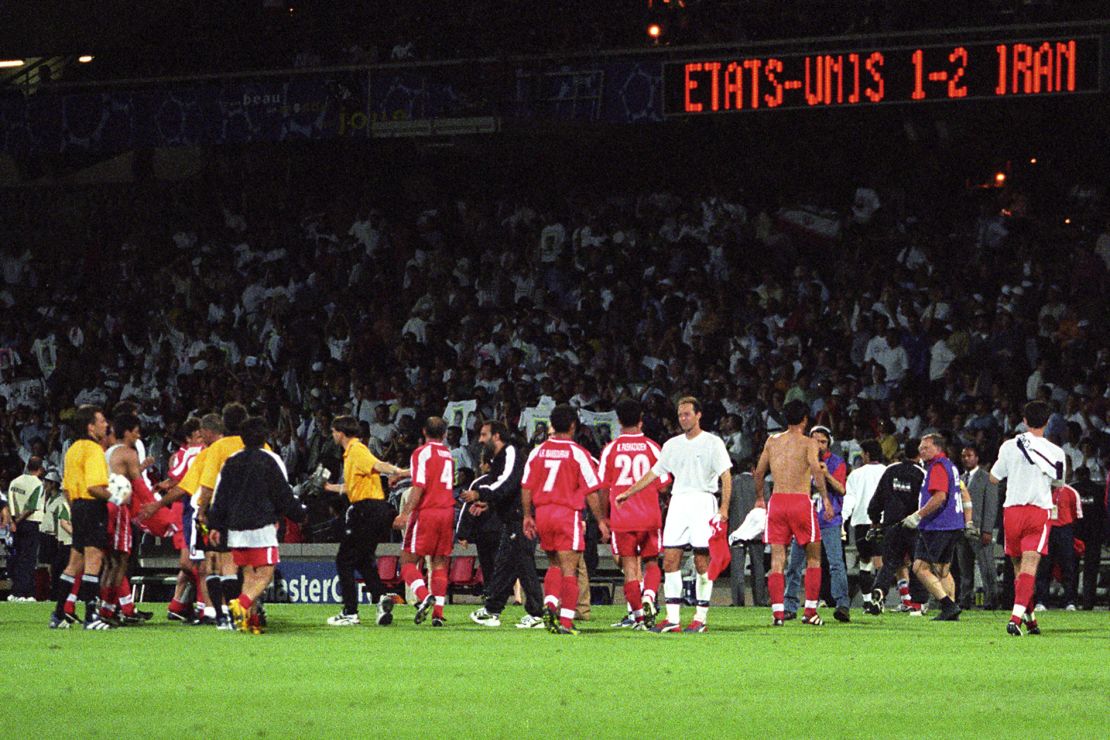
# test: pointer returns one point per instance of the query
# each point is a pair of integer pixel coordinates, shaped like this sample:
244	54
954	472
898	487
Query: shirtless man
123	459
792	458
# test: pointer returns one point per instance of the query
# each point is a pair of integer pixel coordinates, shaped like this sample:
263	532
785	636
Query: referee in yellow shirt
368	521
85	483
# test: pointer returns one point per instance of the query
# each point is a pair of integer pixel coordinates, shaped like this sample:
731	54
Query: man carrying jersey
428	521
123	459
635	525
698	461
559	478
940	521
792	458
85	482
1032	465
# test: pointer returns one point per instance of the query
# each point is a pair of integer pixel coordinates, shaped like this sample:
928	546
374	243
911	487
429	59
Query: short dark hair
629	412
873	449
1036	414
497	427
346	424
563	417
910	449
189	427
85	415
435	427
212	423
254	430
34	464
234	414
795	412
974	448
124	423
690	400
125	407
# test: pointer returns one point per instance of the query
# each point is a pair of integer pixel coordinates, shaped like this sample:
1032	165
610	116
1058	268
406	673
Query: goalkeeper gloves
971	532
912	521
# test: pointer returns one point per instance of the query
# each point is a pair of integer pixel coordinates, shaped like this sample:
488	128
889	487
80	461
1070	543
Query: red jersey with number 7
434	471
560	473
624	461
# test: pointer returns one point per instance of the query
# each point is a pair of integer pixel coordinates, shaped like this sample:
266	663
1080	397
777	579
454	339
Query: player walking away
635	526
1032	465
500	495
366	523
698	461
85	482
428	521
944	511
115	589
792	458
559	479
859	491
896	496
251	497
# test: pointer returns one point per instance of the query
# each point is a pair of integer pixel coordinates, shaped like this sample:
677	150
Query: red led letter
814	94
834	64
1000	88
769	70
918	75
1066	50
955	89
1023	65
734	86
691	85
753	65
874	67
715	91
853	59
1042	67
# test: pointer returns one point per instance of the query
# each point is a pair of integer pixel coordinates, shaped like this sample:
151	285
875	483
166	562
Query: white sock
1019	610
210	612
703	590
672	589
441	600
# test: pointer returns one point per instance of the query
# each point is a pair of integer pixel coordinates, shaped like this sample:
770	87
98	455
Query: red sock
776	587
569	602
632	595
653	576
439	590
245	601
107	595
414	580
552	585
1023	594
177	606
813	588
123	596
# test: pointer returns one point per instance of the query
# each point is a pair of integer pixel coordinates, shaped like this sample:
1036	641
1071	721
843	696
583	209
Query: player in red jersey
123	459
559	478
428	520
635	525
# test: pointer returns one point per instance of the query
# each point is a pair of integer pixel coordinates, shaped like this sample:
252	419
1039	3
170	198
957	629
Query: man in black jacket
896	497
251	497
515	553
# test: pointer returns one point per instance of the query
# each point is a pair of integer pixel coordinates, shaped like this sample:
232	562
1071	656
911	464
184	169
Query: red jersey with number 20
560	473
624	461
434	471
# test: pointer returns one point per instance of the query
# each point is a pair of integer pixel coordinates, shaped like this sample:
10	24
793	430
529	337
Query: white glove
912	521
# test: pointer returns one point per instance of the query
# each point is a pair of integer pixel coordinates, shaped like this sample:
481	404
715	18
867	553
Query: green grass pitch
888	676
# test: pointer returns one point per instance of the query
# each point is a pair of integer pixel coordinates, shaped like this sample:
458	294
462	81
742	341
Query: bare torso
789	456
125	461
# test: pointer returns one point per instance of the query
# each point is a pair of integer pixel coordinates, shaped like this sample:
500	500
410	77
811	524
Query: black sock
215	594
88	593
65	585
230	587
947	603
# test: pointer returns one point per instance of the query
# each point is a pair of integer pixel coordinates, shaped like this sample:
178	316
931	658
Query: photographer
252	495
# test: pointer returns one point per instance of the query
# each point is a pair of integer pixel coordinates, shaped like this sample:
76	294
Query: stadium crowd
302	309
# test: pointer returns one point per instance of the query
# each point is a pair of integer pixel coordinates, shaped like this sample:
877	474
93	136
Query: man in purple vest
940	521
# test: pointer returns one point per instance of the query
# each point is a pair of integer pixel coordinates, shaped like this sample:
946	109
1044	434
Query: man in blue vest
940	521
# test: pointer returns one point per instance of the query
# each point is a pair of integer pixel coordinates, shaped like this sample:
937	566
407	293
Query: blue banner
309	582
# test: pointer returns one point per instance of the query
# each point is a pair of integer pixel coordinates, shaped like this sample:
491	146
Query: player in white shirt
1032	466
697	461
858	491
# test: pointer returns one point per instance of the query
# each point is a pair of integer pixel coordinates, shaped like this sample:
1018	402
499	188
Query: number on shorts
632	468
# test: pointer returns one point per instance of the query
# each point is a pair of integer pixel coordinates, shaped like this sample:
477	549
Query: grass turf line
742	678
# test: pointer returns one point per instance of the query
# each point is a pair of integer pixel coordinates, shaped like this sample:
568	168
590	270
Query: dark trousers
365	526
753	550
969	556
898	543
57	567
516	560
1061	551
487	541
25	556
1092	558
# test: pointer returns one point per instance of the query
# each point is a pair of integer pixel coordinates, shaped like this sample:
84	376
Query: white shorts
688	518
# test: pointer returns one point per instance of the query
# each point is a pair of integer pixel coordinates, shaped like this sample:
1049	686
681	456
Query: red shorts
255	557
1026	529
119	528
164	523
627	544
560	529
791	515
177	511
430	532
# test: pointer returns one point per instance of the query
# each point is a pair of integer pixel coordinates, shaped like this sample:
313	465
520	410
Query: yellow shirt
360	478
85	467
190	484
218	453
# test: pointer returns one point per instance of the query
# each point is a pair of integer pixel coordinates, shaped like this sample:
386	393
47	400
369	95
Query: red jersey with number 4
624	461
560	472
434	471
